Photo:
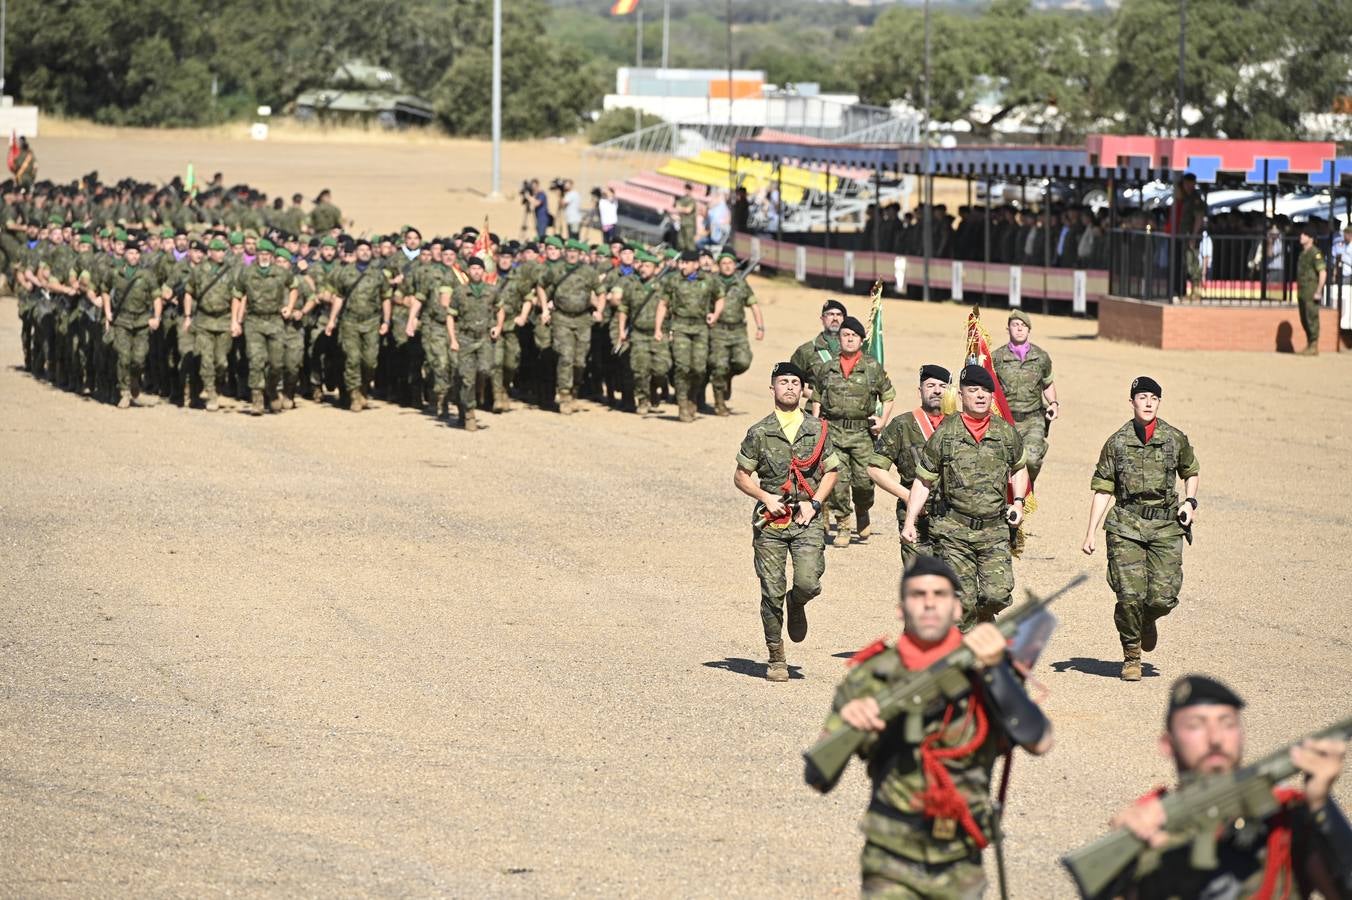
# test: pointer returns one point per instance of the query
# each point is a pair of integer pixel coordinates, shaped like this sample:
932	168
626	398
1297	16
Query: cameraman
570	205
538	201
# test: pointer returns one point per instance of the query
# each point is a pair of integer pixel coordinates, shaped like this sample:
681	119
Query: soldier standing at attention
900	444
1310	278
686	208
474	324
787	464
264	297
911	847
1025	373
694	302
849	389
729	350
1140	465
1303	844
825	346
970	460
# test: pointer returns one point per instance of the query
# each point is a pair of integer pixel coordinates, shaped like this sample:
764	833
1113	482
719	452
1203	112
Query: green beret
282	253
105	232
599	248
236	238
673	253
86	239
56	220
376	238
217	244
725	255
266	246
554	241
328	240
166	232
1021	316
119	235
645	256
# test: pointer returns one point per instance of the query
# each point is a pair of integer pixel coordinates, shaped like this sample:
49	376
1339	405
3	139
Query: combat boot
685	410
213	401
276	404
317	395
1150	634
797	621
439	406
124	401
1131	663
358	402
471	423
1311	349
778	668
566	403
256	403
862	524
721	403
844	527
187	394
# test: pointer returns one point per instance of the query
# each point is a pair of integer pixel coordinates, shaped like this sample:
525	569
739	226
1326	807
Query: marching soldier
360	293
930	811
693	302
825	346
849	390
1140	466
293	328
208	315
729	350
136	308
473	325
516	293
649	358
900	445
572	307
969	461
1025	373
1301	845
788	465
264	297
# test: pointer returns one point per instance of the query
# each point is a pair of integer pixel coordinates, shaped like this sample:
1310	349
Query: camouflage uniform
134	293
267	292
1144	537
431	288
515	289
900	444
293	340
689	300
1023	382
571	288
649	359
729	349
902	855
820	350
364	291
847	402
474	308
210	285
687	209
968	516
323	356
766	452
1308	267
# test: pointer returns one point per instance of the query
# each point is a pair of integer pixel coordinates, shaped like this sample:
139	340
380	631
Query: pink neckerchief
1019	350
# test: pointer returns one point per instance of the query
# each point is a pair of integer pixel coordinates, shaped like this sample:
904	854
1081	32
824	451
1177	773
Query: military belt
944	512
1147	512
1030	414
690	320
732	325
849	424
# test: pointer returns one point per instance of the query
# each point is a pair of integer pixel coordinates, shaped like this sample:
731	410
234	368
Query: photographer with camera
536	202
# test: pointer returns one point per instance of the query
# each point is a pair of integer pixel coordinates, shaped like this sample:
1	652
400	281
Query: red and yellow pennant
623	7
483	248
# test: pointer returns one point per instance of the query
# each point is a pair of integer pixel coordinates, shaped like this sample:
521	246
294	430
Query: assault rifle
1030	626
1194	815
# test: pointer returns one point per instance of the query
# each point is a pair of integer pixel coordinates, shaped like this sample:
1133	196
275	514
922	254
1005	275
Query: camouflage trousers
321	353
1309	317
293	356
690	353
924	546
854	489
475	368
506	360
361	350
1146	576
649	362
437	357
213	349
131	344
1033	430
263	342
729	355
403	358
772	549
570	335
981	558
886	876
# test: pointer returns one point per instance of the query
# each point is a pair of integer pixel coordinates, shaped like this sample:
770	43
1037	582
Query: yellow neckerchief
789	423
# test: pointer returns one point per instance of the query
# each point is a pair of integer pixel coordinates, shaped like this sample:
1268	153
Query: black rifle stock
948	679
1194	814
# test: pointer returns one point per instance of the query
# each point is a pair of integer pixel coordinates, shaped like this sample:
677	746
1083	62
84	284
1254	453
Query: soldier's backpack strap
824	353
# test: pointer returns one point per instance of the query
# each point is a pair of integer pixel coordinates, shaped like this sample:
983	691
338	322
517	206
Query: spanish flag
623	7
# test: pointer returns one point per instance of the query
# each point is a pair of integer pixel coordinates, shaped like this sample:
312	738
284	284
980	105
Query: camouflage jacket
855	397
571	288
900	444
1023	381
737	297
1143	475
821	349
969	477
689	300
766	452
514	289
897	779
325	217
638	302
1308	267
475	309
267	290
363	290
133	295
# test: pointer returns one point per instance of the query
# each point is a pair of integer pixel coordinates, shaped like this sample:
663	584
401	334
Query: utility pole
666	30
1182	62
495	189
927	185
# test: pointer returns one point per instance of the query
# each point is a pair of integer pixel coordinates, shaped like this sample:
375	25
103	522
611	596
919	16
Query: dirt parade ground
328	654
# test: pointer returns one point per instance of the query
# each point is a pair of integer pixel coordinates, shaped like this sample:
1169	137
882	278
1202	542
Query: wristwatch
816	505
1192	500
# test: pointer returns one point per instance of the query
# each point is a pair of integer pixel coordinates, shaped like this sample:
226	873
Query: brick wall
1182	327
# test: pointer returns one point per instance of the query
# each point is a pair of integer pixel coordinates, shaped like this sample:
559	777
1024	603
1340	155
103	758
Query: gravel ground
327	654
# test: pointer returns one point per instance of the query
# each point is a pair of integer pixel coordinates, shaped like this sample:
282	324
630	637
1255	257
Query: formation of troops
941	705
135	294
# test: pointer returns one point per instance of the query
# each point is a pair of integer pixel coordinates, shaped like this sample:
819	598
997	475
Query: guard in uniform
850	390
649	359
1025	373
474	324
1303	845
136	309
1140	466
930	811
825	346
900	444
729	349
1310	279
574	305
691	304
970	461
788	465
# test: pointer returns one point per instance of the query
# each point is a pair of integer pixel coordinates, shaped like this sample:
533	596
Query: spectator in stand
608	212
717	223
741	212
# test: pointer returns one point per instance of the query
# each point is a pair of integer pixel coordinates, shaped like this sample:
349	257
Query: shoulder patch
868	652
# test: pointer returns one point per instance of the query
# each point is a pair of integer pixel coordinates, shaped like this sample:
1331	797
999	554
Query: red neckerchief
847	363
1150	430
976	427
926	422
916	655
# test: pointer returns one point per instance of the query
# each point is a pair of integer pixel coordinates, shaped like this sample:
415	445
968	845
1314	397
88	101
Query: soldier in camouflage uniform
1025	373
207	313
572	308
360	294
969	462
516	294
325	217
911	850
323	357
788	465
691	304
427	318
264	296
649	358
729	349
404	358
136	308
849	390
1310	279
293	328
1190	210
686	208
473	326
1139	466
900	444
825	346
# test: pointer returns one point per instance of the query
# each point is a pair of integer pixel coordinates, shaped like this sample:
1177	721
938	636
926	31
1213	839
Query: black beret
974	374
853	324
360	241
690	256
474	261
930	565
1145	384
132	245
1198	690
531	246
932	371
836	305
787	368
